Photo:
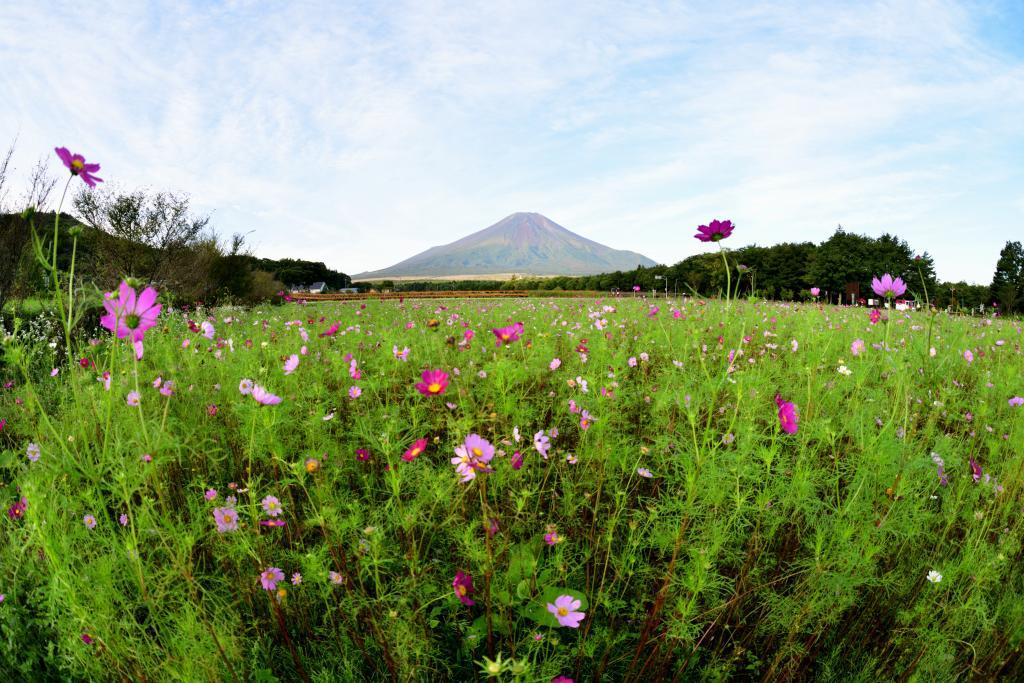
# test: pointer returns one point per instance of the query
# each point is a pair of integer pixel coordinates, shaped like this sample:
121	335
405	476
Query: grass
748	552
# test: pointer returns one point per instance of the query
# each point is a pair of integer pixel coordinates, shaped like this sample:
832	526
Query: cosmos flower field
613	489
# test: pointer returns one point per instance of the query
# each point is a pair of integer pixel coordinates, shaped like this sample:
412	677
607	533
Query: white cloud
361	134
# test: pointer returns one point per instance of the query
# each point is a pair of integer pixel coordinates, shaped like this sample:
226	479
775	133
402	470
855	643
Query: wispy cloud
361	133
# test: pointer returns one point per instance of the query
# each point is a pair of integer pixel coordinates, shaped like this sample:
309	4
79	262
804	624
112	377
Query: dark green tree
1008	281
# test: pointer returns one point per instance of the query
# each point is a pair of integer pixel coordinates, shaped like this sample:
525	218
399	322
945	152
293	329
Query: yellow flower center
228	518
415	451
77	164
562	611
477	452
434	388
461	589
504	336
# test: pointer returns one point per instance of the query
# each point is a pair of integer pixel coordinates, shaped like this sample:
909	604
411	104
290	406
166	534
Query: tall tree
1008	281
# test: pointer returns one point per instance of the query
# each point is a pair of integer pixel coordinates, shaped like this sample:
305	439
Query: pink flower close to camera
264	397
787	415
565	610
76	164
130	313
716	231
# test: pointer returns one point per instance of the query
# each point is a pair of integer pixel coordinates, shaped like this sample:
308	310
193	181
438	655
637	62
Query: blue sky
362	133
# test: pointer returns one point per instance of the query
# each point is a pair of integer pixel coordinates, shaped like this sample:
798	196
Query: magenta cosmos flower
564	609
415	450
888	287
507	335
815	291
76	164
264	397
472	456
434	382
715	232
787	415
270	577
130	313
463	585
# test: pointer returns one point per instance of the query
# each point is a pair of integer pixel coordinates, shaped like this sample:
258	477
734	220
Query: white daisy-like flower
934	576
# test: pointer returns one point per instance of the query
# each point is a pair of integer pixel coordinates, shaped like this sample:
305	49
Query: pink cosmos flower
291	364
130	313
210	494
875	316
272	506
226	518
787	415
968	356
33	452
330	331
507	335
1016	401
76	164
133	398
715	232
542	443
815	291
561	679
552	538
270	577
517	460
975	470
354	392
888	287
208	329
555	364
472	456
90	521
857	347
463	585
264	397
245	387
564	609
434	382
415	450
585	420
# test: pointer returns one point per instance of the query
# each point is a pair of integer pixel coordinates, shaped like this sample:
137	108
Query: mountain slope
523	243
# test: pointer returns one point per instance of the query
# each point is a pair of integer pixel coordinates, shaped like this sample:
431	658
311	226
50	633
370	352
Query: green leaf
523	564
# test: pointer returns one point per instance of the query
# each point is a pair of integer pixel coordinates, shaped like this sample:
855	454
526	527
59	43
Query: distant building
318	288
349	290
298	289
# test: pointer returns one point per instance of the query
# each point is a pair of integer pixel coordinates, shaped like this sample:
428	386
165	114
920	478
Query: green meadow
627	459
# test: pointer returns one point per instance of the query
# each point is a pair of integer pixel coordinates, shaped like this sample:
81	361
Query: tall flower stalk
716	231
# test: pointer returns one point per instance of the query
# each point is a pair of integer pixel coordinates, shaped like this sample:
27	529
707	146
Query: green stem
728	277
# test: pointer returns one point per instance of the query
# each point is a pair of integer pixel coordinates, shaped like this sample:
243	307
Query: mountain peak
524	243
